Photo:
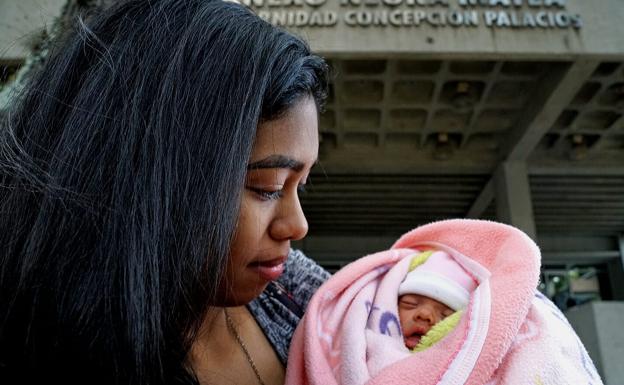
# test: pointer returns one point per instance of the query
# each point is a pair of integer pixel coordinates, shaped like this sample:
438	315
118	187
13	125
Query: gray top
278	314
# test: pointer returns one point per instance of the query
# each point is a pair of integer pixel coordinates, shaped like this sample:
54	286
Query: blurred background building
509	110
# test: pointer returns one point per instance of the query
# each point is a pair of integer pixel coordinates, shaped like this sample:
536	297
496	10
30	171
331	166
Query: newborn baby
434	292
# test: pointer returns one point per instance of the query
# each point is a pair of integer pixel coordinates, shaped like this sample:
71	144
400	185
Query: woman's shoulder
302	276
279	308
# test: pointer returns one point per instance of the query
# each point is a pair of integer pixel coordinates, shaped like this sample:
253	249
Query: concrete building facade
503	110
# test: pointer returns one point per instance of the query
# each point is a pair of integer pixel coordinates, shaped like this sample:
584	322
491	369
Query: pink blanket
509	334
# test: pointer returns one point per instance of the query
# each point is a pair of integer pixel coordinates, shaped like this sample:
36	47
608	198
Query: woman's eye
267	194
301	189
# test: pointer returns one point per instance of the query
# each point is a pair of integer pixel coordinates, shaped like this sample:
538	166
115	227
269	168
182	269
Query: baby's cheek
402	318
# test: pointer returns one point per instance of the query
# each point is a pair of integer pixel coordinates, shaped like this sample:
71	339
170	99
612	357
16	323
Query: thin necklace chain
232	328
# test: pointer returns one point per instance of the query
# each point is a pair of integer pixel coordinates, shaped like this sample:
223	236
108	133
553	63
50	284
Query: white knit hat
441	278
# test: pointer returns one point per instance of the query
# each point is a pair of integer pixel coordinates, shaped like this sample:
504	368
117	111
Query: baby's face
418	314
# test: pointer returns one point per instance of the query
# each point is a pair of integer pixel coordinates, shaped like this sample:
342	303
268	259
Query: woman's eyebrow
277	161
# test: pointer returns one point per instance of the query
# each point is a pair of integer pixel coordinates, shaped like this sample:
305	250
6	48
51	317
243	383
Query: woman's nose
290	223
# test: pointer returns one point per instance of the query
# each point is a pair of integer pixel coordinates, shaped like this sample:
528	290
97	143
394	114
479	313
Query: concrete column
621	244
616	279
513	196
615	268
599	324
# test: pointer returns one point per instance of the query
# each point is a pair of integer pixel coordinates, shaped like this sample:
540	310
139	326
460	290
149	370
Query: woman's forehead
294	135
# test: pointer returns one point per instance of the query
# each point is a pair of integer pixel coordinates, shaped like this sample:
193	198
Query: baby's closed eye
447	312
408	303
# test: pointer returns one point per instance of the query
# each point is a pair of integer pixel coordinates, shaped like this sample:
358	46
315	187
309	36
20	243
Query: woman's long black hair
121	169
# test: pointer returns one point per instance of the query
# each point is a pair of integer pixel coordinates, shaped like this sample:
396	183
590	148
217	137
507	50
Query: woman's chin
239	296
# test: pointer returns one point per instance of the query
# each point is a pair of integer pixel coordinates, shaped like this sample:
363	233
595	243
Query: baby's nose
427	314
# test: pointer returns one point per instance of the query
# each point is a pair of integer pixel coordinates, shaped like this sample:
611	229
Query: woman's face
270	214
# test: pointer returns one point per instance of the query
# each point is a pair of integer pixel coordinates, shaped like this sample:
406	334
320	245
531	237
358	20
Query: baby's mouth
412	341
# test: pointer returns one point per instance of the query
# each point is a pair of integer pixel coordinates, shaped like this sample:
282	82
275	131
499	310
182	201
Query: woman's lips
269	270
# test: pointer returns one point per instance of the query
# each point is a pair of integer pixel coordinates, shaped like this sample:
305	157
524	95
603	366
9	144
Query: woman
149	178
